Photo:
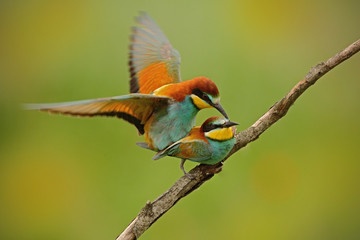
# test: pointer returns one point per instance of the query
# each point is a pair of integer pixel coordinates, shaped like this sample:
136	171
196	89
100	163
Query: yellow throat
220	134
199	103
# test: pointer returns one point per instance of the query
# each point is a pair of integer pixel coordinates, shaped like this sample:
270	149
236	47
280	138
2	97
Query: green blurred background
75	178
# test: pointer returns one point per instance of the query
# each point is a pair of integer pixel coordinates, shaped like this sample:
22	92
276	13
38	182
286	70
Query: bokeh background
75	178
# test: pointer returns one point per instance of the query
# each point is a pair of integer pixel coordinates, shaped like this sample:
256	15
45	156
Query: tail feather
160	154
144	145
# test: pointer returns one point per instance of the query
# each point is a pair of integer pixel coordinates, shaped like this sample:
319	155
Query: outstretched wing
153	61
134	108
194	150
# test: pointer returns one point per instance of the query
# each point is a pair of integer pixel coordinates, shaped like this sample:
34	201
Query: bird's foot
182	166
190	176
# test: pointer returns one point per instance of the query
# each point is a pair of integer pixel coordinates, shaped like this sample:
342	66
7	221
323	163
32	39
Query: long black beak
230	123
220	109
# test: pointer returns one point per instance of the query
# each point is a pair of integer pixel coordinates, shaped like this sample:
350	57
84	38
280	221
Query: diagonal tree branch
200	174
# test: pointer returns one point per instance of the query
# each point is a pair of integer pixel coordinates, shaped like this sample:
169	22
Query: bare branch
200	174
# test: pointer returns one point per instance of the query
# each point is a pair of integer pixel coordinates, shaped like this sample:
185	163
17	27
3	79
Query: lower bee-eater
208	144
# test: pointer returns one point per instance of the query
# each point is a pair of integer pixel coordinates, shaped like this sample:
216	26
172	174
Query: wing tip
28	106
34	106
143	15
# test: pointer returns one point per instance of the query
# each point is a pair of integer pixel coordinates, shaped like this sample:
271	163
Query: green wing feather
194	150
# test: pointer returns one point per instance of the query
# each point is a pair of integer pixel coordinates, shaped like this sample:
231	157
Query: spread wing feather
134	108
153	61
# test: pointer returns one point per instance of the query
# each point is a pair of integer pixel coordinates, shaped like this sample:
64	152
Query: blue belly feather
220	150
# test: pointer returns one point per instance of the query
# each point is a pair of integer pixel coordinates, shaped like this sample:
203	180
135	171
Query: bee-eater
208	144
159	105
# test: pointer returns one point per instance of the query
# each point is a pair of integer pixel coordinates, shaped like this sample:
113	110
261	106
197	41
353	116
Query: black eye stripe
201	95
197	92
209	127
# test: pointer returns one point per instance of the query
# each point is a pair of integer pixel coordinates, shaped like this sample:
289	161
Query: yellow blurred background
78	178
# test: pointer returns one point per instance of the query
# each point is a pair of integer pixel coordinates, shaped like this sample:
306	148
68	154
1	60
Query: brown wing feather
153	61
134	108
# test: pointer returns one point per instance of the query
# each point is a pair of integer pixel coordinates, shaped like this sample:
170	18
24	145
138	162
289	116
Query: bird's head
219	129
205	94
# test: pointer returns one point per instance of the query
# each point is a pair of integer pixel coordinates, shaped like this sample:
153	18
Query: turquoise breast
173	123
220	150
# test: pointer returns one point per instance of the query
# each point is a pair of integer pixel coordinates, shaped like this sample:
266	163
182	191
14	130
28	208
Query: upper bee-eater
208	144
160	105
